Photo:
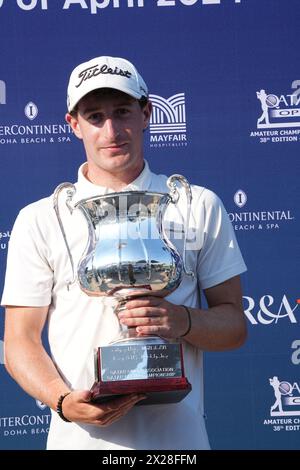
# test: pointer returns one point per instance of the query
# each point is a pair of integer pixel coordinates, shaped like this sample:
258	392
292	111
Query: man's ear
73	122
147	110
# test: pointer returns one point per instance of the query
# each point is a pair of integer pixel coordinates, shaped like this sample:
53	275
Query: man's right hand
77	407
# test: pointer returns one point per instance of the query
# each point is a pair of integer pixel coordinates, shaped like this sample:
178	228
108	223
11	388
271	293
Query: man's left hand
154	315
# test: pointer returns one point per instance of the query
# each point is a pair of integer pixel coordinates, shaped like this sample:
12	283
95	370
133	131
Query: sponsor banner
272	218
269	310
168	121
284	413
279	120
34	133
26	425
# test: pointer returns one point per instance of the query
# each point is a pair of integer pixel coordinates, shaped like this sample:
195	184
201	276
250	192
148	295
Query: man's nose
110	128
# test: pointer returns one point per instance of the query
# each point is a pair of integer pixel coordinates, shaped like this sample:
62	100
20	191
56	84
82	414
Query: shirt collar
84	187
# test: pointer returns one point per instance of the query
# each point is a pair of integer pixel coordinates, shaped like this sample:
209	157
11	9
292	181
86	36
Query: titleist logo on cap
97	70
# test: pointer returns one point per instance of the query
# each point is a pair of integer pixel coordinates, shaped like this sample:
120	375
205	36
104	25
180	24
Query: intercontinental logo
269	219
168	121
279	115
33	131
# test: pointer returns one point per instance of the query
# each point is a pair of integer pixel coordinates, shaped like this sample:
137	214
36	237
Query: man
108	109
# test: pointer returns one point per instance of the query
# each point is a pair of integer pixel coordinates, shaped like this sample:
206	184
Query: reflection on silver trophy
128	253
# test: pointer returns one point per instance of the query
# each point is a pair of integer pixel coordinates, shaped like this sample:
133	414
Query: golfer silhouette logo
274	382
263	98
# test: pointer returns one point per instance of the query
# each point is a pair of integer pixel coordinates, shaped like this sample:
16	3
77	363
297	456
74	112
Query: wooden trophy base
155	370
158	391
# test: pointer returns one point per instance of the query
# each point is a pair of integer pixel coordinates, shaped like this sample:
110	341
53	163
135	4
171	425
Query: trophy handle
70	193
174	196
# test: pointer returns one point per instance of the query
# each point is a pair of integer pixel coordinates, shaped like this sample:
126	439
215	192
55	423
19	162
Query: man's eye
95	117
123	111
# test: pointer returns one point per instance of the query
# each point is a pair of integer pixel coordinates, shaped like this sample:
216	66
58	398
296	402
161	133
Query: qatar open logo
279	111
286	398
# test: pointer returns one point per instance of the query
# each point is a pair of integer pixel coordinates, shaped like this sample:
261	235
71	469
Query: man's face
111	126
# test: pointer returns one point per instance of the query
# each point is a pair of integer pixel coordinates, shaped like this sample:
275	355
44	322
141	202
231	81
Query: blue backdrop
225	80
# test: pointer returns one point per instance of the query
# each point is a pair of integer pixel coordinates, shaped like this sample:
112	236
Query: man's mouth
115	146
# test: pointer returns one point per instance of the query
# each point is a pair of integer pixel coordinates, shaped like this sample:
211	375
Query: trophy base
149	366
157	391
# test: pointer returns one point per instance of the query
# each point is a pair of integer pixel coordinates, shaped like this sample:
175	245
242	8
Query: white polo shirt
38	269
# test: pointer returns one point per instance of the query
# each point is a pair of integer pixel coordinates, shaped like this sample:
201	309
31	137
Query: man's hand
220	327
154	315
78	408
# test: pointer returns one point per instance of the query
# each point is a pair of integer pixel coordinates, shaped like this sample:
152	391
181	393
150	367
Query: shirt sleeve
29	277
220	258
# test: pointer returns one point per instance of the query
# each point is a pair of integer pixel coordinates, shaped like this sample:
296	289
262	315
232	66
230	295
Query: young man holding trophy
115	264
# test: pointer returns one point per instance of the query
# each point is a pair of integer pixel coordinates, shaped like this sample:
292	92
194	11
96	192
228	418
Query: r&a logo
262	313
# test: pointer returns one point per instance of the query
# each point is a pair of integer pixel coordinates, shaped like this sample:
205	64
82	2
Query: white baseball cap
105	72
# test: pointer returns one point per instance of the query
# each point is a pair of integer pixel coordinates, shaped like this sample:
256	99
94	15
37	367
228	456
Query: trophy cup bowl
128	254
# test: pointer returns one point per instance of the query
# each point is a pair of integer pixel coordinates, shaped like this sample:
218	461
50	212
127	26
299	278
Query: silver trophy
128	254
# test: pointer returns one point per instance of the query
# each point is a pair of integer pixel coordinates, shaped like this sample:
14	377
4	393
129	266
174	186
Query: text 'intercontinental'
268	220
32	133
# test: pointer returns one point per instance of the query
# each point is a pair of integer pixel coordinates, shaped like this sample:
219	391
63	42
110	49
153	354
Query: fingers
149	311
116	409
114	415
79	408
142	308
147	301
154	315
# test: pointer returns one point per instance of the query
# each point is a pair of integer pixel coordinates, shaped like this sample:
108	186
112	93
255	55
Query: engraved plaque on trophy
128	254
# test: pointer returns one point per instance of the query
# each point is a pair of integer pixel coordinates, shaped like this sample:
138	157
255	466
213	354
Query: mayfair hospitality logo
269	219
2	92
38	133
279	116
168	121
